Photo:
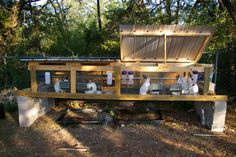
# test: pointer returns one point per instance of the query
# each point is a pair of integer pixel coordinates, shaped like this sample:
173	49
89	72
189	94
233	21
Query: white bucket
109	78
47	78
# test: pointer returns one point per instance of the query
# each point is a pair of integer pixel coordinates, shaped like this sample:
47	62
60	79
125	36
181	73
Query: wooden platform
123	97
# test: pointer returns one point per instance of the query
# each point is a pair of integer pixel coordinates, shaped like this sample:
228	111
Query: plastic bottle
131	77
123	77
195	76
109	78
47	78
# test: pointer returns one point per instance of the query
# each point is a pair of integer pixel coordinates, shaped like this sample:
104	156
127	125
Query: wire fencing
223	70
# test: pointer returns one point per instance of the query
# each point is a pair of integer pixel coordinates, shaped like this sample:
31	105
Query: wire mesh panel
223	70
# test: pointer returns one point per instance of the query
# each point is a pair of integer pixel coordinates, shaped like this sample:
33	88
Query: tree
231	7
99	15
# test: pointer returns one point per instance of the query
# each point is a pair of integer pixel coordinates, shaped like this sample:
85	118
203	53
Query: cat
57	87
193	90
92	88
145	87
183	83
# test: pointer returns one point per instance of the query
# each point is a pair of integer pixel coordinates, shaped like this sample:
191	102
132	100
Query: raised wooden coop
161	53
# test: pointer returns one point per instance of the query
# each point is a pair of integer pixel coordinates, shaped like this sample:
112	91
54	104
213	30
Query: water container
195	76
123	77
131	77
109	78
47	78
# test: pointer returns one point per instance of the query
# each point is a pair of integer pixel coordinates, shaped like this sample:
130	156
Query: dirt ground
175	136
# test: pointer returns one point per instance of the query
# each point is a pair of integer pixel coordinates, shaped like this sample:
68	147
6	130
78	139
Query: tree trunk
177	12
231	7
168	11
99	15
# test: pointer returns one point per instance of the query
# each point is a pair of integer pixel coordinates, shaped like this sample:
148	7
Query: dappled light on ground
173	137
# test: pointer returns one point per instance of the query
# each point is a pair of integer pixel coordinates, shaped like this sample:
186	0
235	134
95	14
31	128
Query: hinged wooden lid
164	43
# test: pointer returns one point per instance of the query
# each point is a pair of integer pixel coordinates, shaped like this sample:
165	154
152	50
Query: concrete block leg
214	114
32	108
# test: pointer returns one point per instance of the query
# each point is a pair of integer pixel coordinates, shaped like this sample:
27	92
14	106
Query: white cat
194	89
57	87
92	88
181	80
145	87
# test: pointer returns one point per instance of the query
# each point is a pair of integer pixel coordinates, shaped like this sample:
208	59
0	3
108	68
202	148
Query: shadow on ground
173	137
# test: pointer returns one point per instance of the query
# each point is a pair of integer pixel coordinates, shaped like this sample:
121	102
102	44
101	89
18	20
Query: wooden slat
34	85
162	34
68	68
162	69
123	96
73	79
117	80
207	73
165	48
52	67
95	68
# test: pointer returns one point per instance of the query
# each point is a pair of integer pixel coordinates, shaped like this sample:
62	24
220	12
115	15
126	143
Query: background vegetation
90	27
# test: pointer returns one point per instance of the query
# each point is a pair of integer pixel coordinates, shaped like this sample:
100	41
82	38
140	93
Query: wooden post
34	85
165	48
207	71
73	79
117	80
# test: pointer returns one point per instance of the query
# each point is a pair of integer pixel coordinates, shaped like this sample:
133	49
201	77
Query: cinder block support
214	113
32	108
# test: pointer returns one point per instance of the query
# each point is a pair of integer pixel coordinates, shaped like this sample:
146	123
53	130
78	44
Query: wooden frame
161	64
125	97
199	36
117	68
162	33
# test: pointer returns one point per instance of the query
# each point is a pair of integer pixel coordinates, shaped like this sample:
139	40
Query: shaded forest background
90	27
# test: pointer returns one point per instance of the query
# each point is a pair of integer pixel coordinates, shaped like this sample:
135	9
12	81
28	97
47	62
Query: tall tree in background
231	7
99	15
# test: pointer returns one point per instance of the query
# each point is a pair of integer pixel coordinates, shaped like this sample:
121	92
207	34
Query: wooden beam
132	97
165	48
34	85
203	65
139	33
117	80
161	69
53	67
187	61
121	47
207	72
95	68
78	68
73	79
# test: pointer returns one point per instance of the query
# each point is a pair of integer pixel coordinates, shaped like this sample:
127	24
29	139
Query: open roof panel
164	43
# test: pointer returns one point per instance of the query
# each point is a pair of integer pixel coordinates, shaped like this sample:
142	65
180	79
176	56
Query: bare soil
173	137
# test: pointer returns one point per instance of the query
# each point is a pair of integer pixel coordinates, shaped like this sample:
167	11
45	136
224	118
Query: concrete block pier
213	114
32	108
